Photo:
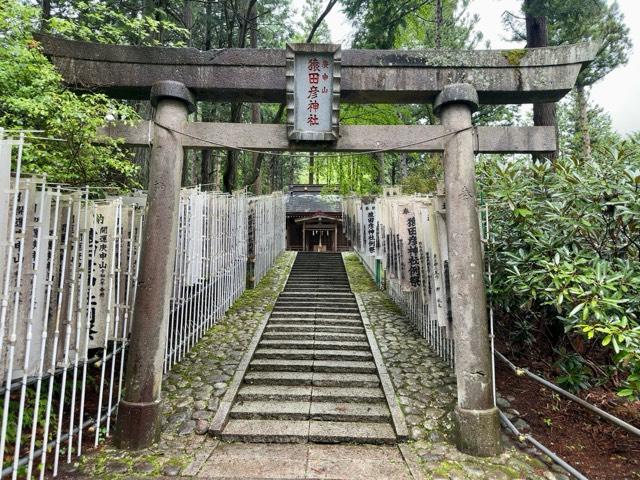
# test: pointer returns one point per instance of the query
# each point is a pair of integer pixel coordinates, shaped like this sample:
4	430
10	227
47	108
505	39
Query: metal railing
267	232
68	277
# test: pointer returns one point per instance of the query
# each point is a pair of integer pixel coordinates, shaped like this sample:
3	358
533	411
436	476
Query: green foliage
424	177
566	247
102	22
575	375
573	21
31	98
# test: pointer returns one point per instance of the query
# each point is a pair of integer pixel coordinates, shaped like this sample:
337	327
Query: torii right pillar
476	417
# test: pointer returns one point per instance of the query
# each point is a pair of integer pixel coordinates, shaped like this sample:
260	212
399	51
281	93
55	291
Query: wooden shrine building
314	220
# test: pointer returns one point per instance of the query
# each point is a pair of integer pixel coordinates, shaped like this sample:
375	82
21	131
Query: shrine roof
313	203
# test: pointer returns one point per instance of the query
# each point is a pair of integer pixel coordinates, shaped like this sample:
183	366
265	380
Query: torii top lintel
368	76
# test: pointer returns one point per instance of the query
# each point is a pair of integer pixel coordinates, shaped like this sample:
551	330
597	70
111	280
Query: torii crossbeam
455	81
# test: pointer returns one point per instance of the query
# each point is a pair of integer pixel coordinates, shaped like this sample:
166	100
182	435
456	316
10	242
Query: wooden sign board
313	92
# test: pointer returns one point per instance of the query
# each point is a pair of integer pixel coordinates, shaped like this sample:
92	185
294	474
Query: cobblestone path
425	388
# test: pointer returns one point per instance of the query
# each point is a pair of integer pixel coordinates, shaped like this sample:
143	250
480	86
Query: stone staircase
312	377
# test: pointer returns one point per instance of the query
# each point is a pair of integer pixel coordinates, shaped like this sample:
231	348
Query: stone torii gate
456	82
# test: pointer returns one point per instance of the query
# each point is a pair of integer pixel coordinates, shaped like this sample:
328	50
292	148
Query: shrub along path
425	387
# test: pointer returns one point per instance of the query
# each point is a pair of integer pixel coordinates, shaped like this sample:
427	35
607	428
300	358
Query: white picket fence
69	266
403	242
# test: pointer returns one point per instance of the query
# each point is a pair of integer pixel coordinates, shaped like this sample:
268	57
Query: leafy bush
575	375
566	248
32	98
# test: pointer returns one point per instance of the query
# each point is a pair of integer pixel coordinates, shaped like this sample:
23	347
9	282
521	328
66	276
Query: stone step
317	278
278	378
314	308
317	295
347	394
304	354
355	432
325	366
302	410
346	366
281	393
364	380
268	364
312	344
326	337
270	410
283	354
271	431
350	412
316	317
338	322
316	288
298	314
346	337
320	379
355	315
318	328
310	303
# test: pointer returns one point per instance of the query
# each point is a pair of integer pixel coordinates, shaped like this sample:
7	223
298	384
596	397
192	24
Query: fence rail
69	266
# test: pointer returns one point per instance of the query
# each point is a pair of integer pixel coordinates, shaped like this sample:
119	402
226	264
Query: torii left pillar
139	413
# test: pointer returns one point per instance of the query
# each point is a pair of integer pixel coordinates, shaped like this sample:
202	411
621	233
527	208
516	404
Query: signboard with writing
313	92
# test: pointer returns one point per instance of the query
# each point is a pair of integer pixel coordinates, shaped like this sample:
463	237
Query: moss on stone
359	278
514	56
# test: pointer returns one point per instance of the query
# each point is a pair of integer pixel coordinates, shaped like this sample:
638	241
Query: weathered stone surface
353	138
375	433
368	76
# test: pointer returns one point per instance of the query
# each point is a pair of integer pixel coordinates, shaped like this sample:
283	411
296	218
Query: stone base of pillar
138	424
478	431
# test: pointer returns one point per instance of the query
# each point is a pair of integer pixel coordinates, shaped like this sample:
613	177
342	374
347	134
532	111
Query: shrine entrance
312	81
319	233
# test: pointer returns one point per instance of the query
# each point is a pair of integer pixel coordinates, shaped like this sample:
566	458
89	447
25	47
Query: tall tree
544	114
571	21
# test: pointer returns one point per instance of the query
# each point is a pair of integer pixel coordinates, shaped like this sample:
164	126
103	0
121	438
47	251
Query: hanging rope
368	152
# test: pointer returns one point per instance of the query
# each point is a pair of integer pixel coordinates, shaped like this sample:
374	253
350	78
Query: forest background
565	242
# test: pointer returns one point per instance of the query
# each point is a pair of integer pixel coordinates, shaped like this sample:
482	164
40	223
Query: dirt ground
599	449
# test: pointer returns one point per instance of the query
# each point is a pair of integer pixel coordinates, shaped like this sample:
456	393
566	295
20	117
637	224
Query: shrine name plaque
313	92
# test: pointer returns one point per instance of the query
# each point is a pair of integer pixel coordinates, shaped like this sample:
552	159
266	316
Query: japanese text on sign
313	92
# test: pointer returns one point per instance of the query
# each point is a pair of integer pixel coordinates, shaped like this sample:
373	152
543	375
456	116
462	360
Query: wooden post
304	237
139	413
476	417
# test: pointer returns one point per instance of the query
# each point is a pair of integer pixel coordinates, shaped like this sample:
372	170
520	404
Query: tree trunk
186	171
208	26
255	107
544	114
404	166
187	19
46	15
394	169
379	168
312	166
583	122
205	169
217	170
438	39
229	177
